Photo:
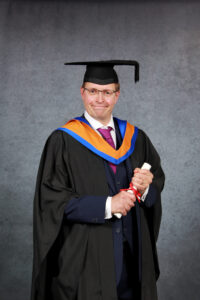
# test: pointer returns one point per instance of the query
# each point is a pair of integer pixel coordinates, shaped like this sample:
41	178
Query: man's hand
142	179
122	202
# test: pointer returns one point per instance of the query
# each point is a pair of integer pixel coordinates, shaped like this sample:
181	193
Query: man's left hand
142	179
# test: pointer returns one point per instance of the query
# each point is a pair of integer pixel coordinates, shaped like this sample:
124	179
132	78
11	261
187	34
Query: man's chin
99	117
98	114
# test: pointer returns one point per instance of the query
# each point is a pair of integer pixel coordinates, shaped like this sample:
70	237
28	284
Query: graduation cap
102	72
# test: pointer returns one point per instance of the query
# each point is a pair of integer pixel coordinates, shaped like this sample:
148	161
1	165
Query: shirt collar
96	124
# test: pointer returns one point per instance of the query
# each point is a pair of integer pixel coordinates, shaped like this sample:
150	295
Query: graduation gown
74	261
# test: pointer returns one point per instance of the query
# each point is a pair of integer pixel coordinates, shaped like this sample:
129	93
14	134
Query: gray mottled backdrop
38	94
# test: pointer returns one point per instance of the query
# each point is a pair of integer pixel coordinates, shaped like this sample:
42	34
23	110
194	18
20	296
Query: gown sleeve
152	203
53	191
56	202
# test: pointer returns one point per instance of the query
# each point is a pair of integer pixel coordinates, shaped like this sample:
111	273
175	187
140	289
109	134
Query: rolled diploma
145	166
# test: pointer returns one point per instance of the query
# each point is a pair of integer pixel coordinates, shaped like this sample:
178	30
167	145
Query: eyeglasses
105	93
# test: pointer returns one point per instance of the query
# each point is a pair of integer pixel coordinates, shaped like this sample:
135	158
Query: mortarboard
102	72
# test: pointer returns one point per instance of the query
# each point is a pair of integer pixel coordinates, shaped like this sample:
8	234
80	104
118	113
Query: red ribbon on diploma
134	190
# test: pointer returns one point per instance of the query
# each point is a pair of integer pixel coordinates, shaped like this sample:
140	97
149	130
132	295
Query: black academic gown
77	258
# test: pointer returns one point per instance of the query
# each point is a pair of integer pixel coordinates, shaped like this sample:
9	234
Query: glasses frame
103	92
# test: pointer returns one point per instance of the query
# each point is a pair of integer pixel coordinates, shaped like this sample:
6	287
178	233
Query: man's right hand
122	202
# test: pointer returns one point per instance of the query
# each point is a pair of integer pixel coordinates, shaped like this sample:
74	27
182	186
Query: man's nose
100	97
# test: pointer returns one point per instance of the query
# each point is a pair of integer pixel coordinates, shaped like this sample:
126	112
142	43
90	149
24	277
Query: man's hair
117	86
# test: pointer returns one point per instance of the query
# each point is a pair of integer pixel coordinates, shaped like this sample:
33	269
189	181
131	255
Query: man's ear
81	90
117	96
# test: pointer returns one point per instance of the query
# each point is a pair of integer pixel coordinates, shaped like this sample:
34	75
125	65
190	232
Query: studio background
38	94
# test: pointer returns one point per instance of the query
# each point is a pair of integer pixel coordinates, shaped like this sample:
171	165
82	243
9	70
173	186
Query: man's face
99	106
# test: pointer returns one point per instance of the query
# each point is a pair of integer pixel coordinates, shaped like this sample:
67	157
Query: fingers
129	195
127	207
128	200
122	202
140	173
142	179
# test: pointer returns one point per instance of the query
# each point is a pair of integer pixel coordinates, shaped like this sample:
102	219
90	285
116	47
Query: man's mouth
99	106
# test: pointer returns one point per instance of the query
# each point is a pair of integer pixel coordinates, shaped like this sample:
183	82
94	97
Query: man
93	240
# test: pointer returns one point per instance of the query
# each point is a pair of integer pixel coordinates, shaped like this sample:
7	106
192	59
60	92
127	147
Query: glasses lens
95	92
107	93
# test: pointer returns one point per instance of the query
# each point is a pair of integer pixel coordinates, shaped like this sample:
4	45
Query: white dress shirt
96	125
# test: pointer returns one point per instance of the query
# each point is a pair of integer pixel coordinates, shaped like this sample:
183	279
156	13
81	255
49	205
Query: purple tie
107	136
